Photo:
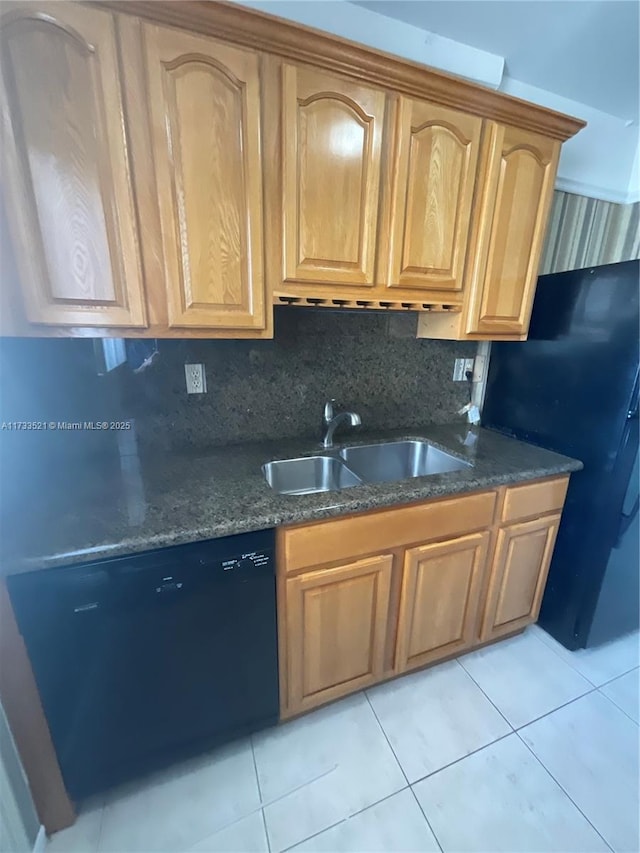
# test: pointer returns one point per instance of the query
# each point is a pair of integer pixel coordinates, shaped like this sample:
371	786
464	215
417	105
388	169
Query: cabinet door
66	176
438	606
520	169
332	140
434	172
336	630
518	575
205	110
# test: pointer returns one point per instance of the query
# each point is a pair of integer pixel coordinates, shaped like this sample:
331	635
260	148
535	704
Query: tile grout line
99	838
262	804
264	819
393	752
609	699
491	702
424	815
571	664
567	794
558	654
616	677
407	787
462	757
592	689
314	835
373	711
570	702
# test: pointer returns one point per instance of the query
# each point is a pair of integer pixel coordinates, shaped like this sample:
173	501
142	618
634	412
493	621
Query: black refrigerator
572	387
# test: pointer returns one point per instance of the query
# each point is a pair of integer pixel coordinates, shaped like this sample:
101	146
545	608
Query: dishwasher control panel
255	559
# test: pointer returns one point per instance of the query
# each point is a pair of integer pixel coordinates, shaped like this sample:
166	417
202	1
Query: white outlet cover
458	370
196	378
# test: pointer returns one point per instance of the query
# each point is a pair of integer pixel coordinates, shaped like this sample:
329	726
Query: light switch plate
196	378
479	368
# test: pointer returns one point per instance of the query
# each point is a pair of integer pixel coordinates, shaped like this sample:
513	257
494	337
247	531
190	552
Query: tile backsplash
371	363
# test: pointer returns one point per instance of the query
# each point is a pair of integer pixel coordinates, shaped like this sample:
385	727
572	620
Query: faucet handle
328	411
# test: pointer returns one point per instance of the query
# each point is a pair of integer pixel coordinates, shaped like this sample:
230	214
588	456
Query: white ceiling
586	50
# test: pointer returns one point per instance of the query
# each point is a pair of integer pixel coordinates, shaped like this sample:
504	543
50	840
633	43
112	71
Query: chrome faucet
330	421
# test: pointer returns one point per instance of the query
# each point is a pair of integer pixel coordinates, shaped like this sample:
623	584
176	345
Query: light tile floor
521	746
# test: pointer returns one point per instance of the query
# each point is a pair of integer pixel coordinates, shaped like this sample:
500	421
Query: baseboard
41	841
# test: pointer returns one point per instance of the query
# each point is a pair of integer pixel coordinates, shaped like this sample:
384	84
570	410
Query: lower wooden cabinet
336	623
519	573
440	591
370	596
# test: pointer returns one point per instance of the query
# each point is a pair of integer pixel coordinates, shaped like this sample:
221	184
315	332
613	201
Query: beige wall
585	232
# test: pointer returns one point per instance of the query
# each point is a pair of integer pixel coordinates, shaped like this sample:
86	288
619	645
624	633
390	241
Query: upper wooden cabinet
331	157
204	102
66	173
177	173
455	225
513	197
516	197
434	173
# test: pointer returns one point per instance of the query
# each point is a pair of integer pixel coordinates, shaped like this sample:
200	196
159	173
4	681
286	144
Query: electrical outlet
196	378
468	366
458	370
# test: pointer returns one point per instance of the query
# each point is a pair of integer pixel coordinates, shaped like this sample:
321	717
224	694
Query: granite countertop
137	501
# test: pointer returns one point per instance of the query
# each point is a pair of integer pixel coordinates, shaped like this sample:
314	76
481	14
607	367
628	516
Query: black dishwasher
144	659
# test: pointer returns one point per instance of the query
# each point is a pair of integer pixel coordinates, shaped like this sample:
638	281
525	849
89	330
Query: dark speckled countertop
137	501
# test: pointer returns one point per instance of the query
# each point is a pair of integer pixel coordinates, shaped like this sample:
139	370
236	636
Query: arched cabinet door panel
66	171
204	103
433	178
332	144
518	189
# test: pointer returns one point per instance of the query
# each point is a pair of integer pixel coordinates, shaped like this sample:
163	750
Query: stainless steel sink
309	474
398	460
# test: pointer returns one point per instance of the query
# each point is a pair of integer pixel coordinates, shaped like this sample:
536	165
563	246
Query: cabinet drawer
533	499
357	535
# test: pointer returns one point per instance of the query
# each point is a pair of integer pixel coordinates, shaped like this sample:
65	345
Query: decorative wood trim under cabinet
291	41
361	304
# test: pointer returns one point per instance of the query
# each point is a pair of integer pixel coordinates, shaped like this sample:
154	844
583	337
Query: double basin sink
353	466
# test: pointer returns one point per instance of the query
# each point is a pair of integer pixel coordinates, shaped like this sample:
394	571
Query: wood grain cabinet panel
67	180
520	169
534	499
336	630
359	535
434	172
438	606
204	101
518	575
332	143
